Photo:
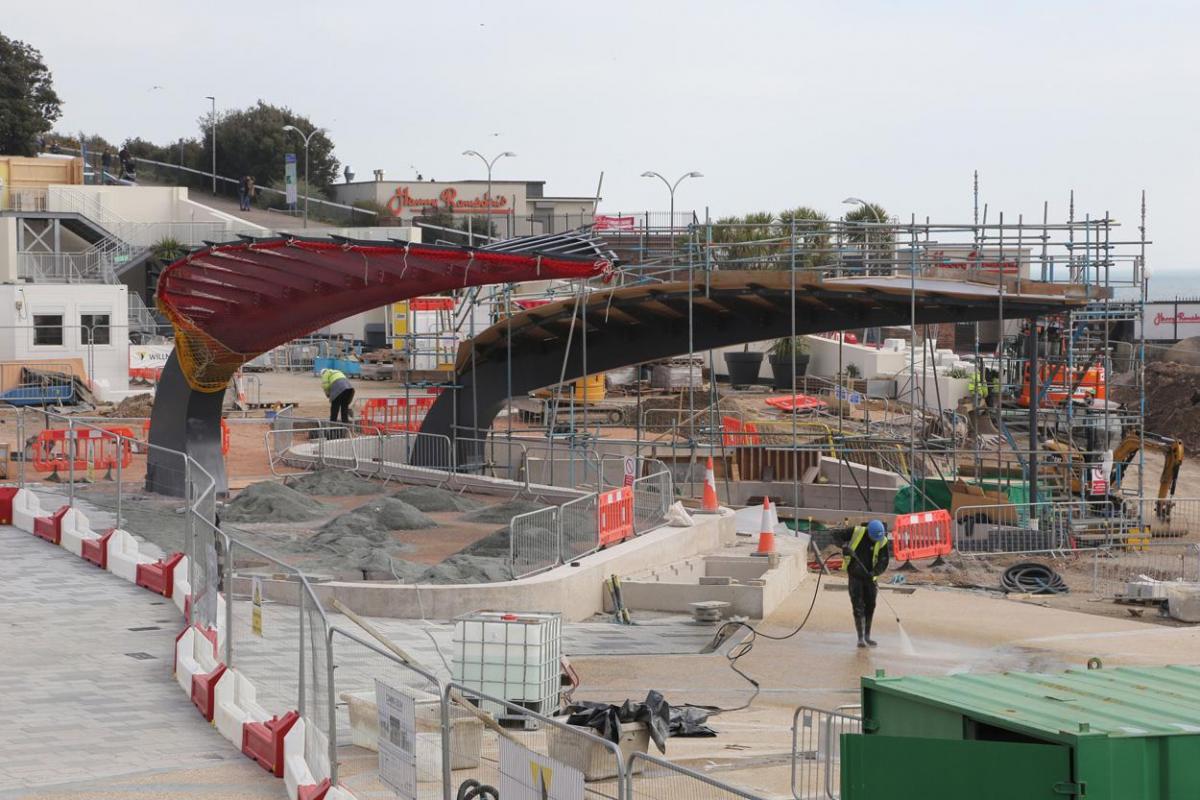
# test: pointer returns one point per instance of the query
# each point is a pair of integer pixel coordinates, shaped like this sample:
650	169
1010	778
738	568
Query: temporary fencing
652	498
1034	527
616	515
224	435
529	753
84	450
816	750
372	685
557	535
534	542
736	433
925	534
392	414
650	777
1113	568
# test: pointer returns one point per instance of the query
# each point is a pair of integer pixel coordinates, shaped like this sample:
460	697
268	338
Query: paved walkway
89	707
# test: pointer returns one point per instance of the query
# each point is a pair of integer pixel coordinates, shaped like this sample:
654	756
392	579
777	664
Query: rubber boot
866	637
858	626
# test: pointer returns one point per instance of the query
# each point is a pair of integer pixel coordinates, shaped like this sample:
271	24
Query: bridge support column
184	421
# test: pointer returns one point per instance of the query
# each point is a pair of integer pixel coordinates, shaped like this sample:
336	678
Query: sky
778	104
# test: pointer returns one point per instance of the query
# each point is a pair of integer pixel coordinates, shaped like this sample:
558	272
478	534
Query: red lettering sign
607	223
1175	319
449	200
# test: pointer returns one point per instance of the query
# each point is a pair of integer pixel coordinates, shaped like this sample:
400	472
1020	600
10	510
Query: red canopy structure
231	302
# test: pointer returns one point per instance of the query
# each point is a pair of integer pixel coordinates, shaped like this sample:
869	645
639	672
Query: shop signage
447	200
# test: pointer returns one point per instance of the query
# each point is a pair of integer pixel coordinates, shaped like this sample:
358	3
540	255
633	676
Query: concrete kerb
576	588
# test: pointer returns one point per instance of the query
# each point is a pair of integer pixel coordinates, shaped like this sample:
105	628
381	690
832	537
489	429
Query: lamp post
856	201
214	141
307	139
671	187
489	164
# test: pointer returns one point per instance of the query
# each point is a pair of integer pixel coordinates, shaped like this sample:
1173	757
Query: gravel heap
269	501
333	482
431	498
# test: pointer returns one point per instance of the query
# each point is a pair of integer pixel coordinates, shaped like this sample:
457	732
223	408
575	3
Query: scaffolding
1049	401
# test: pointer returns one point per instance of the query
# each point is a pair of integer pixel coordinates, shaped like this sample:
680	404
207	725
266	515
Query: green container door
907	768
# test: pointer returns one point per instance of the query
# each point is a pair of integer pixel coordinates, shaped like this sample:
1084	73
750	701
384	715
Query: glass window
94	328
47	329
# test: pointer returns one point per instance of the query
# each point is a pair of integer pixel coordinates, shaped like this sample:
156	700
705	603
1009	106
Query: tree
28	103
876	242
812	242
253	142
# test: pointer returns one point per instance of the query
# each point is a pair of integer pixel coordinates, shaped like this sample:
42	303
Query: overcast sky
777	103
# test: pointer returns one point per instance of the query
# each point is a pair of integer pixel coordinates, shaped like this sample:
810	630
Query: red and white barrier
124	556
75	530
296	774
26	508
50	527
235	705
190	647
183	588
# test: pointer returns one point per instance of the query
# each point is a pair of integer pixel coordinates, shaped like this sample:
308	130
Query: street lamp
214	141
671	188
489	164
307	188
856	201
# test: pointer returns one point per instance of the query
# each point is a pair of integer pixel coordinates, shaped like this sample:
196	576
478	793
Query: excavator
1173	455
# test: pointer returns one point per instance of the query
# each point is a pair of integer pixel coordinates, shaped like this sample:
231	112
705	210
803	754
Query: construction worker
340	393
978	389
864	558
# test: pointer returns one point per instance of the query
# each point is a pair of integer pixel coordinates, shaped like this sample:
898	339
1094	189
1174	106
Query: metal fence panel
816	751
652	497
1114	567
653	777
1038	527
358	665
534	541
316	701
477	753
579	526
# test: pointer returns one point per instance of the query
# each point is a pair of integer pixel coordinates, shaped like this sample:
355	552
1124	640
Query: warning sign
256	609
526	775
397	740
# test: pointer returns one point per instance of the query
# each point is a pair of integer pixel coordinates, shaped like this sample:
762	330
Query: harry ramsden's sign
449	200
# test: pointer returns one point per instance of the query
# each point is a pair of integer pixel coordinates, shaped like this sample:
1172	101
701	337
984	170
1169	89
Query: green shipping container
1104	734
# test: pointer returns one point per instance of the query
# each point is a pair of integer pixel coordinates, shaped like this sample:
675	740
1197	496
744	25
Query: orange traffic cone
766	535
710	504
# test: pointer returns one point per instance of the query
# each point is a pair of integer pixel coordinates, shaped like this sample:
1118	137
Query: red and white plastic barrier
924	534
76	529
96	550
183	589
26	508
124	556
236	705
615	515
50	527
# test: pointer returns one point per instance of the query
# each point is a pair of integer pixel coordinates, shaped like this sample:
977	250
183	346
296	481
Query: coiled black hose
1031	577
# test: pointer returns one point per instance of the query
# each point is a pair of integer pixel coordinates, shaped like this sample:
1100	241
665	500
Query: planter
743	367
781	368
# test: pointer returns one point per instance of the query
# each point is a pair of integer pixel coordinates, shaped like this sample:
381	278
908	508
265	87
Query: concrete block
715	580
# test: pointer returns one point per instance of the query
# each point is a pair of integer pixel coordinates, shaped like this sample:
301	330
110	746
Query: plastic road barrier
616	515
925	534
7	493
94	448
50	528
263	741
395	414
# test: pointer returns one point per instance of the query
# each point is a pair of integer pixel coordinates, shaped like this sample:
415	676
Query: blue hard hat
876	530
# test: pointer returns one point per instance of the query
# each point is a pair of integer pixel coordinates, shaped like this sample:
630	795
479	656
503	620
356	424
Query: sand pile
395	515
1185	351
1173	401
331	482
433	499
359	543
269	501
138	405
504	512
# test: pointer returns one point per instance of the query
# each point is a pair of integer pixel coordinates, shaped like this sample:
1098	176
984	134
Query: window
48	329
94	329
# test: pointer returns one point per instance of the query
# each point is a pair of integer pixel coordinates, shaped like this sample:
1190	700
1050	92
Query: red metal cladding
252	296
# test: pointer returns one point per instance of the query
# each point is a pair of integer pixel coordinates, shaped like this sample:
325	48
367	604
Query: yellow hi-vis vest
330	377
855	540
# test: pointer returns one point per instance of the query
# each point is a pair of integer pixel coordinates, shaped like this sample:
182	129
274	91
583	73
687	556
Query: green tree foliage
252	142
876	243
28	103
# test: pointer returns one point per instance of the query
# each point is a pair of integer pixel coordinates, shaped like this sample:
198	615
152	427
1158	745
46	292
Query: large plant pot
781	368
743	367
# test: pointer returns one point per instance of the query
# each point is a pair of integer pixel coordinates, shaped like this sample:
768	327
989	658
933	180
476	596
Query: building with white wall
73	328
516	208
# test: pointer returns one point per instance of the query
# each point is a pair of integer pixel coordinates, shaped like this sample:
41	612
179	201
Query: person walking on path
340	393
864	559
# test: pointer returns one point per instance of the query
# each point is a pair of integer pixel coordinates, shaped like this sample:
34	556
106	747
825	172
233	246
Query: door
907	768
